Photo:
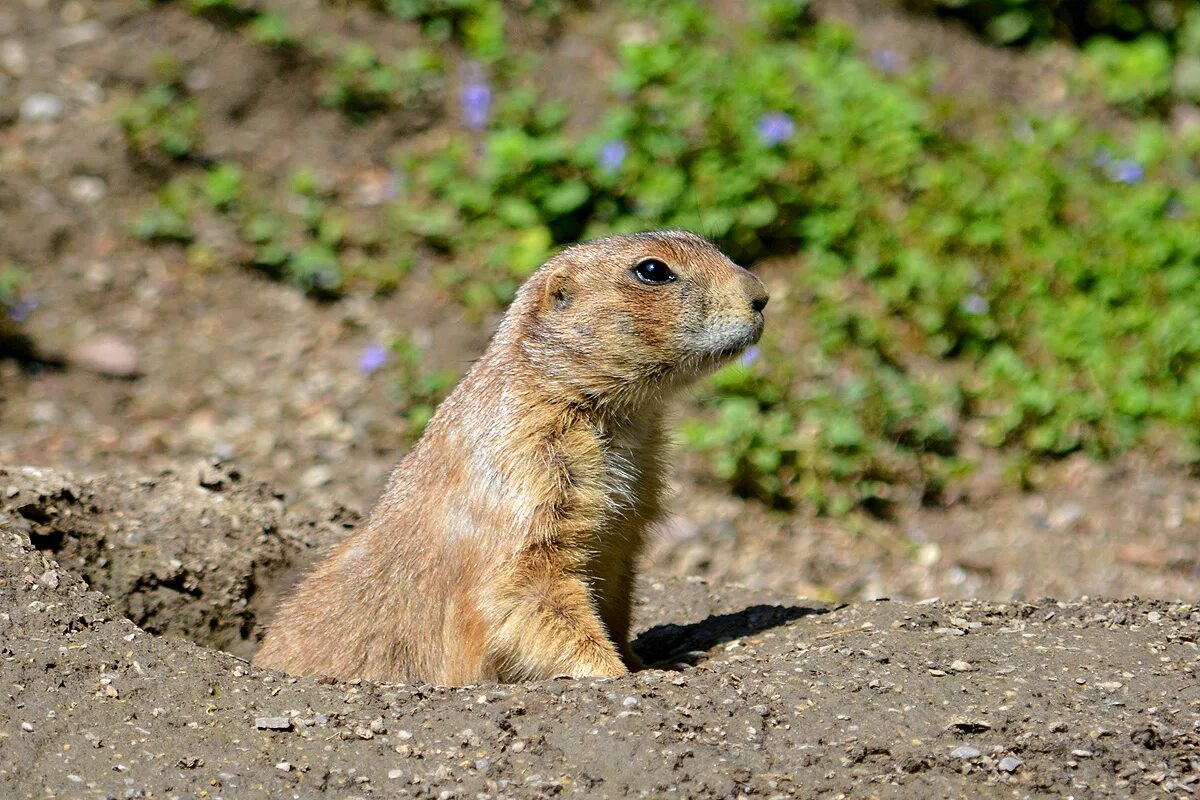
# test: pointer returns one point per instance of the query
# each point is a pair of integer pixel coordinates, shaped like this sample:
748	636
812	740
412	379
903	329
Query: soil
769	696
131	592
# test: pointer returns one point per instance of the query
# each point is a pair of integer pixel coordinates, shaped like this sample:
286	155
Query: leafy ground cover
946	277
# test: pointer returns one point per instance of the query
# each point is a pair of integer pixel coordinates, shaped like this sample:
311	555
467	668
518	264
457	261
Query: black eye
653	272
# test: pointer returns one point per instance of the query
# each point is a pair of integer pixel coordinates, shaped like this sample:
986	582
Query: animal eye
653	272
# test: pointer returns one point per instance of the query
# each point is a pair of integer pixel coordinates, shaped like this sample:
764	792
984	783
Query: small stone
13	57
482	764
1009	764
517	746
273	723
1154	616
283	765
27	727
317	476
630	702
36	606
1065	516
961	666
395	774
108	355
964	752
49	579
87	189
41	107
12	492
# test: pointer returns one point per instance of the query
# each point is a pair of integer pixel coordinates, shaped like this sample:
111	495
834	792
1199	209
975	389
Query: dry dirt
771	697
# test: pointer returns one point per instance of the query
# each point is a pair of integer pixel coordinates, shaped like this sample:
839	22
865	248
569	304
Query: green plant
360	84
161	118
420	388
1030	291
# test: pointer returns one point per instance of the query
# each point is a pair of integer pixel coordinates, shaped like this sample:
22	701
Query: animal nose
759	302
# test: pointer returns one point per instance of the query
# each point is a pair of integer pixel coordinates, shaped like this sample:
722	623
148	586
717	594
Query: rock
964	752
13	57
108	355
1009	764
87	189
41	107
1065	516
273	723
961	666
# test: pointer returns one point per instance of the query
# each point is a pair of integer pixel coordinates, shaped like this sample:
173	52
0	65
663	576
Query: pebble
27	727
13	57
49	579
964	752
1009	764
41	107
87	189
273	723
108	355
961	666
283	765
395	774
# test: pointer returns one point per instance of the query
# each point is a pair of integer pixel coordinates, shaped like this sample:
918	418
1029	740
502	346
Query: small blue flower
775	127
373	357
475	99
20	309
750	356
612	155
974	304
1126	171
888	61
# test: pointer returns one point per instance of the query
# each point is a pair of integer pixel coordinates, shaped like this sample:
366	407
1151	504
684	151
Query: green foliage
311	240
360	84
1140	51
161	118
1016	21
14	305
421	388
1027	291
478	24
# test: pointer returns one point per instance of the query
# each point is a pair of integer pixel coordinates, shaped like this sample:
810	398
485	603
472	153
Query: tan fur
505	545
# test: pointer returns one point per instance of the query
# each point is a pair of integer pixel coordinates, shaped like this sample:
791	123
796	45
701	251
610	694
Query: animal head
624	318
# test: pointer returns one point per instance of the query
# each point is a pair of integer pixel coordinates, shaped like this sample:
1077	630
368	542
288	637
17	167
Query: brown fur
505	545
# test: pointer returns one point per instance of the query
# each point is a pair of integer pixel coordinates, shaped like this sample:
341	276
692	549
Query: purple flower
888	61
974	304
1126	171
750	356
475	99
612	155
372	358
775	127
20	309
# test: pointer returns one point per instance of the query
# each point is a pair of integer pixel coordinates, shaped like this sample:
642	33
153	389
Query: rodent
505	545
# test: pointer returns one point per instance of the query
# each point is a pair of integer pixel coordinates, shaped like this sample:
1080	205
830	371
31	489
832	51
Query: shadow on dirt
663	645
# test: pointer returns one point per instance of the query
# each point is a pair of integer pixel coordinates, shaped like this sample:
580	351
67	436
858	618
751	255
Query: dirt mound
773	696
196	554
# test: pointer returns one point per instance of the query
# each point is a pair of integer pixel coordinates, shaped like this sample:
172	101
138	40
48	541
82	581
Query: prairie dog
505	545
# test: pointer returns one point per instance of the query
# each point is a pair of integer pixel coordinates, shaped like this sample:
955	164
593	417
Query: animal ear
557	293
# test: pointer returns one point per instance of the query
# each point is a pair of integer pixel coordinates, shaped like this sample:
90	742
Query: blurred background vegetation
950	278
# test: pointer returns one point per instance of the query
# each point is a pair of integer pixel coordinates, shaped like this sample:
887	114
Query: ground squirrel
504	547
